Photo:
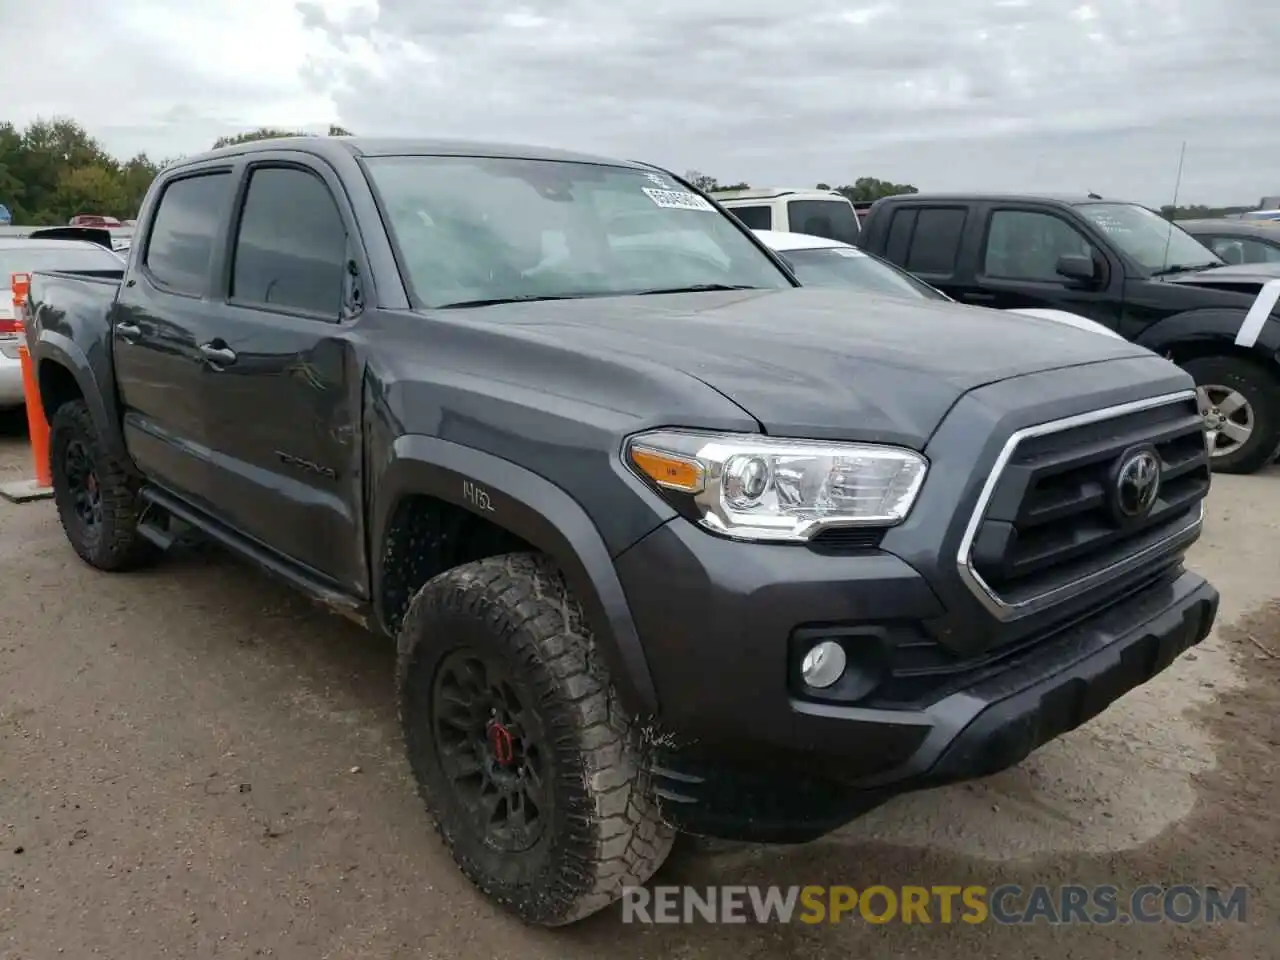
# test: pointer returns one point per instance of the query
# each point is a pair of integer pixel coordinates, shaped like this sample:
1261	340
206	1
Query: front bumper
746	760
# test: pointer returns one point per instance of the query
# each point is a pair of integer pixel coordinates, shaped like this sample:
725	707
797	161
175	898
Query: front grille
1047	525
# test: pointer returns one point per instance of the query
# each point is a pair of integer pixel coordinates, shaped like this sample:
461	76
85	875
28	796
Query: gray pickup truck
664	540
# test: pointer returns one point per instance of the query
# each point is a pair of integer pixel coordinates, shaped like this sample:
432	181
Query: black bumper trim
988	727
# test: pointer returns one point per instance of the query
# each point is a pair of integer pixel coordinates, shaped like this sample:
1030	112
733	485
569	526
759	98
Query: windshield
845	267
477	229
19	259
1144	236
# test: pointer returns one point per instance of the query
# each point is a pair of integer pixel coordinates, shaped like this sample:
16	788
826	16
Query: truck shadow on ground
334	669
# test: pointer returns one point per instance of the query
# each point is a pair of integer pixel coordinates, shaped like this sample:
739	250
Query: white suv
818	213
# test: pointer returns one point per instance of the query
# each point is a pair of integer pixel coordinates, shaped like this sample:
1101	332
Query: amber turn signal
667	470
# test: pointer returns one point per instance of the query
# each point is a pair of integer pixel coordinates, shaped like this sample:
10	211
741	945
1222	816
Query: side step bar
174	523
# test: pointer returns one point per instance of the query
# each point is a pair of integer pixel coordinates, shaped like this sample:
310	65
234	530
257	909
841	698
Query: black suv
1122	265
665	541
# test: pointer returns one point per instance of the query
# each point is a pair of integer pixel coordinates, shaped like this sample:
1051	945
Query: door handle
218	356
128	331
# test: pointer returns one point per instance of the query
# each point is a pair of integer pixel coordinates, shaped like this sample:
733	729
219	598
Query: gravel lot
194	762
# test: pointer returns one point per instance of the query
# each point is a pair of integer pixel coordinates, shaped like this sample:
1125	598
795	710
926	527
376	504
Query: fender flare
1233	329
62	350
540	513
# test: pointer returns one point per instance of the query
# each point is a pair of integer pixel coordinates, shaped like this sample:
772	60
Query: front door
282	377
1018	262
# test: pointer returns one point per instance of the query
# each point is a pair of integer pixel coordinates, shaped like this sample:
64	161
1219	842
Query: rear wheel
97	502
1240	403
533	773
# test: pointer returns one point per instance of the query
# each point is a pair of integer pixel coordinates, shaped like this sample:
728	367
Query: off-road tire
605	829
117	545
1262	390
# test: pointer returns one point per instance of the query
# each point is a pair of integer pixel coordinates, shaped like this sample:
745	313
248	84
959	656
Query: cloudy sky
946	94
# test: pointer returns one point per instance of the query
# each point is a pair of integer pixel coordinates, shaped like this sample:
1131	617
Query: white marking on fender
1247	336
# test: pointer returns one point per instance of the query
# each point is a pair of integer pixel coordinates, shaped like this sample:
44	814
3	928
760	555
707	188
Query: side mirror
1077	267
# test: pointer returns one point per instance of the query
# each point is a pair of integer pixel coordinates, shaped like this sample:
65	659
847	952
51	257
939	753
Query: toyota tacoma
665	541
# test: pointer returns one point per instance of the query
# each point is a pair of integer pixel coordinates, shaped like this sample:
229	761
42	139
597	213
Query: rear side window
291	245
935	244
183	231
754	218
898	243
833	219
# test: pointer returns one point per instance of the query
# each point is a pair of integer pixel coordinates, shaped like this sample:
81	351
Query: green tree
135	178
49	148
873	188
270	133
262	133
1197	211
90	189
706	183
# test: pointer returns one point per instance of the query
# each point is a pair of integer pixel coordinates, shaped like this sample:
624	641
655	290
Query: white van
819	213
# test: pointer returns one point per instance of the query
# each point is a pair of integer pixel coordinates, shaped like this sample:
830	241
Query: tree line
861	190
53	170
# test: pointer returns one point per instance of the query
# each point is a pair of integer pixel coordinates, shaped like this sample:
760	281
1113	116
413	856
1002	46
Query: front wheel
1240	404
534	775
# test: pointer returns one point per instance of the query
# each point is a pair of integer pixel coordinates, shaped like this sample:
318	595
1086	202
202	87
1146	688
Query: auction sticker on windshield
678	200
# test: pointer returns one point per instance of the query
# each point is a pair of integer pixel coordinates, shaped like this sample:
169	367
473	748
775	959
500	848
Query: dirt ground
196	763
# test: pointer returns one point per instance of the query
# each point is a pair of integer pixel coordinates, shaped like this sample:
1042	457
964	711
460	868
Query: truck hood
1244	274
815	362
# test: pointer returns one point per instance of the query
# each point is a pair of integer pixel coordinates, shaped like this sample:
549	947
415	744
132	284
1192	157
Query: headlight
761	488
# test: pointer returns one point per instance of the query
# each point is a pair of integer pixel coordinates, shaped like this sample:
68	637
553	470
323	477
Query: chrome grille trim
1012	611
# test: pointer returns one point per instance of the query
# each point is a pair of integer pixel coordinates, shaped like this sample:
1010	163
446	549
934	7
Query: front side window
183	230
473	229
1025	245
832	219
1151	241
853	269
291	245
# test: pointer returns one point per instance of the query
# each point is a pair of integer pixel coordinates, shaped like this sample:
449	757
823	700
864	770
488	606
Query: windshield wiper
697	288
524	298
1184	268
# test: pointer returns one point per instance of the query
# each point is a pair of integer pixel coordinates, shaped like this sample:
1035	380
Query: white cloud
947	94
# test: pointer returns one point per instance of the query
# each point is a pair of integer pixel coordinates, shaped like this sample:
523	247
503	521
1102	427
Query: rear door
159	321
1017	265
926	241
282	384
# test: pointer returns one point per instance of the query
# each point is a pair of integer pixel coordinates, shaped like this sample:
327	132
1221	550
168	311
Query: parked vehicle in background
93	220
819	262
1261	215
819	213
1122	266
1238	241
24	255
665	540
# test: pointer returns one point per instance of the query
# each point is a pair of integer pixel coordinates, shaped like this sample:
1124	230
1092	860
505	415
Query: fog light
823	665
